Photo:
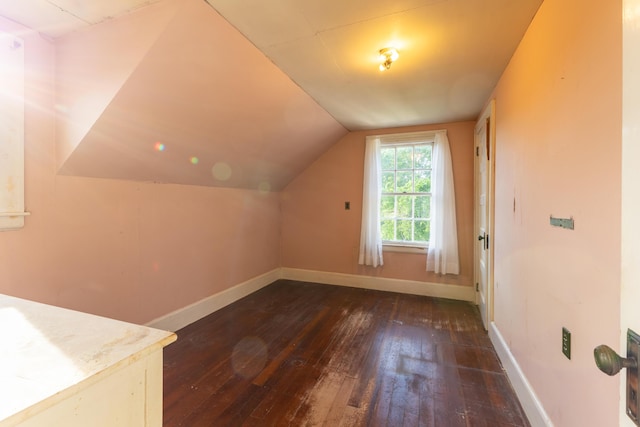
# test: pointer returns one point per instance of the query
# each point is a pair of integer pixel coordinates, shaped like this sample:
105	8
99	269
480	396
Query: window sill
404	248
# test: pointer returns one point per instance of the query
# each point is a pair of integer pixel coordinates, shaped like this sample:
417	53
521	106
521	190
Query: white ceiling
452	52
55	18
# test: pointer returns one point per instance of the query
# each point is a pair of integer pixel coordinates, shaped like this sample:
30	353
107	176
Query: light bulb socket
387	55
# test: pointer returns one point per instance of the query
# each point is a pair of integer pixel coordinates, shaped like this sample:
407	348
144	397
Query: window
405	200
11	132
408	199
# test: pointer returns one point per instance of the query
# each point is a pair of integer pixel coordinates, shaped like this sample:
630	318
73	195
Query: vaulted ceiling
246	93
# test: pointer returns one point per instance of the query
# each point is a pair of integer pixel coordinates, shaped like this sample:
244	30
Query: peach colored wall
168	86
132	251
558	135
319	234
80	101
84	88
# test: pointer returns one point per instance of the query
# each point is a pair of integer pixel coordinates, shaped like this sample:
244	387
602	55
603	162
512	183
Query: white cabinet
60	367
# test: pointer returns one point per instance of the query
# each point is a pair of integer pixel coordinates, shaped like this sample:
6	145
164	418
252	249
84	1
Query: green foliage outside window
406	193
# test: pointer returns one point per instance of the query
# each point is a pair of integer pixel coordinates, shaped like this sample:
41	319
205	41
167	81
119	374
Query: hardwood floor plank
340	404
264	375
304	354
365	386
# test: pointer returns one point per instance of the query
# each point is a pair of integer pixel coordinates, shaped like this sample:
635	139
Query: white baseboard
184	316
464	293
199	309
528	399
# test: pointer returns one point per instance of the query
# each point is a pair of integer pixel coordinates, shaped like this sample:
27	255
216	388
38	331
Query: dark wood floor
303	354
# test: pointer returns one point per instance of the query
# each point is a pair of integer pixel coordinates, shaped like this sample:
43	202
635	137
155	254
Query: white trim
488	113
12	213
419	137
184	316
406	248
530	403
439	290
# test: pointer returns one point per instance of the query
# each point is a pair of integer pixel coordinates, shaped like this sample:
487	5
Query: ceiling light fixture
387	56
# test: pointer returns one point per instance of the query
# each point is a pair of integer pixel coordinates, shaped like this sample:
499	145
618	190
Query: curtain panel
442	256
370	235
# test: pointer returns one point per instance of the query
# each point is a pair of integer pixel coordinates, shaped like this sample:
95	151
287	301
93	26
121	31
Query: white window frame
12	212
407	139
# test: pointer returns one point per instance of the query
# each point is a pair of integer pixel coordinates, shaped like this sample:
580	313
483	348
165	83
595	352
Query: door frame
630	193
487	113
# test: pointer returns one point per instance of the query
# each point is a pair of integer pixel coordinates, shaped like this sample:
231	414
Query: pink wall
136	251
155	75
319	234
132	251
559	153
93	64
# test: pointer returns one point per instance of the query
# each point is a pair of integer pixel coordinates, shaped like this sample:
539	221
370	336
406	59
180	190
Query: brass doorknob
610	362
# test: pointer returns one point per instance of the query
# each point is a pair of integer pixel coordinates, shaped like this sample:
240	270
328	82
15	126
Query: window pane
423	156
387	206
423	181
406	169
405	208
422	231
422	207
405	158
388	179
404	181
386	229
388	158
404	230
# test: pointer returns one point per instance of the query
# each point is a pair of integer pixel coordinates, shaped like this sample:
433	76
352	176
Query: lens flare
194	160
221	171
159	146
249	357
264	187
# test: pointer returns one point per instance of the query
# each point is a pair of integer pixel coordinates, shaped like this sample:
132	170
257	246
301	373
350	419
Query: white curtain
370	236
442	256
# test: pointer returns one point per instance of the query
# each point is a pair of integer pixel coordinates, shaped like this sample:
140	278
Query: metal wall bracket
561	222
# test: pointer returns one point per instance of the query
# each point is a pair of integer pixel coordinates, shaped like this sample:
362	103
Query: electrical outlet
566	343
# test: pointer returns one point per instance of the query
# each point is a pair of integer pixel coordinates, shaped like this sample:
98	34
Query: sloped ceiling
171	91
54	18
202	107
452	53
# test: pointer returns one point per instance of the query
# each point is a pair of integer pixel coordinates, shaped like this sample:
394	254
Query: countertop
47	351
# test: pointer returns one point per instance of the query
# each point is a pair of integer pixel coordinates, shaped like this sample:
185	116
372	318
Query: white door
483	213
630	273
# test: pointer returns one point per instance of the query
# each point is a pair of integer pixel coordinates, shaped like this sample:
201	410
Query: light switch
566	343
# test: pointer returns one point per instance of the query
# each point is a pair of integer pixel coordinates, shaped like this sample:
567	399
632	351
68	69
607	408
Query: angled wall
92	66
175	94
558	136
123	249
